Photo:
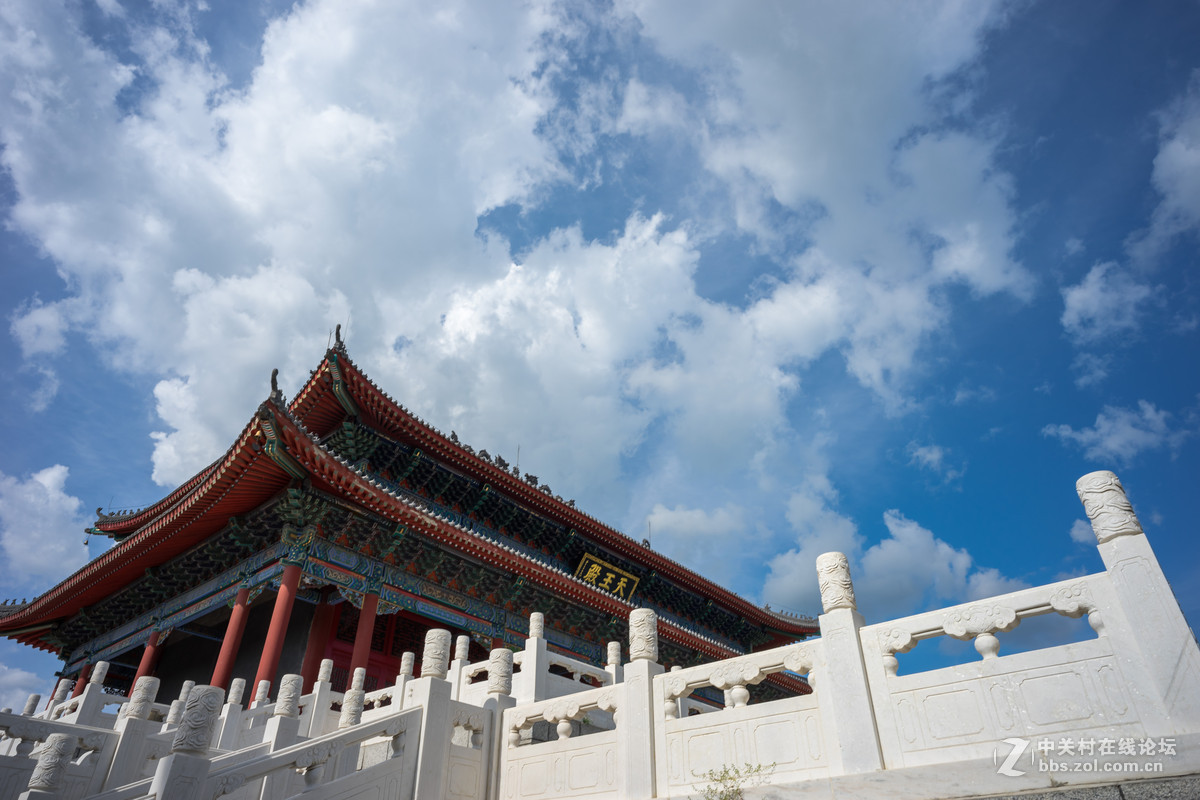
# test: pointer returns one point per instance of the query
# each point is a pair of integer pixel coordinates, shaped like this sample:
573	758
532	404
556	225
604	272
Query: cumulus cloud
909	570
41	530
935	459
713	542
1081	531
1121	434
1176	176
225	232
1106	303
17	684
1090	369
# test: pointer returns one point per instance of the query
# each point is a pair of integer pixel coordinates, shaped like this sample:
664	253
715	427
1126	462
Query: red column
82	680
318	641
149	657
366	628
282	613
233	639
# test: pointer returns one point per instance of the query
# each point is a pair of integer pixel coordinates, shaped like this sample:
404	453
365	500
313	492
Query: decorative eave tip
276	395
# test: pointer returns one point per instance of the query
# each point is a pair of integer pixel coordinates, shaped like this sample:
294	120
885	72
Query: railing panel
584	766
787	733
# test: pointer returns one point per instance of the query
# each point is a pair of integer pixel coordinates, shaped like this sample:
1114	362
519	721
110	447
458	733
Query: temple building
340	526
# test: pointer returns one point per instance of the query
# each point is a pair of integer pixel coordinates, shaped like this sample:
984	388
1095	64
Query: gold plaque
603	575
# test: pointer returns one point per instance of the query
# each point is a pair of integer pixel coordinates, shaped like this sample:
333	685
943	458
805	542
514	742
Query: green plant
728	782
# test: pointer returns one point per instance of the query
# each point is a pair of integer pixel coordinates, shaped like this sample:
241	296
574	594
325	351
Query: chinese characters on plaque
602	575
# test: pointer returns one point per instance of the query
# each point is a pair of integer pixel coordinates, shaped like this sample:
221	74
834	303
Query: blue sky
760	282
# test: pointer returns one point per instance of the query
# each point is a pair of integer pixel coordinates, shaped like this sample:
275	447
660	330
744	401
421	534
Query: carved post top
325	673
537	625
52	761
288	702
614	654
643	635
359	680
833	578
99	673
1107	506
462	648
142	697
262	693
199	716
435	658
407	660
500	670
63	691
186	690
31	705
237	688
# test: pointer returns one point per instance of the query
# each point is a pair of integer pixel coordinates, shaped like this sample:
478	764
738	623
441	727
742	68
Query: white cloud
909	570
17	684
40	329
713	542
1176	176
934	458
1081	531
224	233
1121	434
1090	369
41	530
1107	302
819	528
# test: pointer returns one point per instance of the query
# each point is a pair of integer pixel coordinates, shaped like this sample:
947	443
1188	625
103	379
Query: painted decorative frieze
833	578
1105	503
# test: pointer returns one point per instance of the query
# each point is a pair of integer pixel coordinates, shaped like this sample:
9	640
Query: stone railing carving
735	674
435	657
1072	598
833	578
981	622
52	762
32	729
577	669
1107	507
500	671
196	728
1074	601
560	712
353	701
309	758
643	635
